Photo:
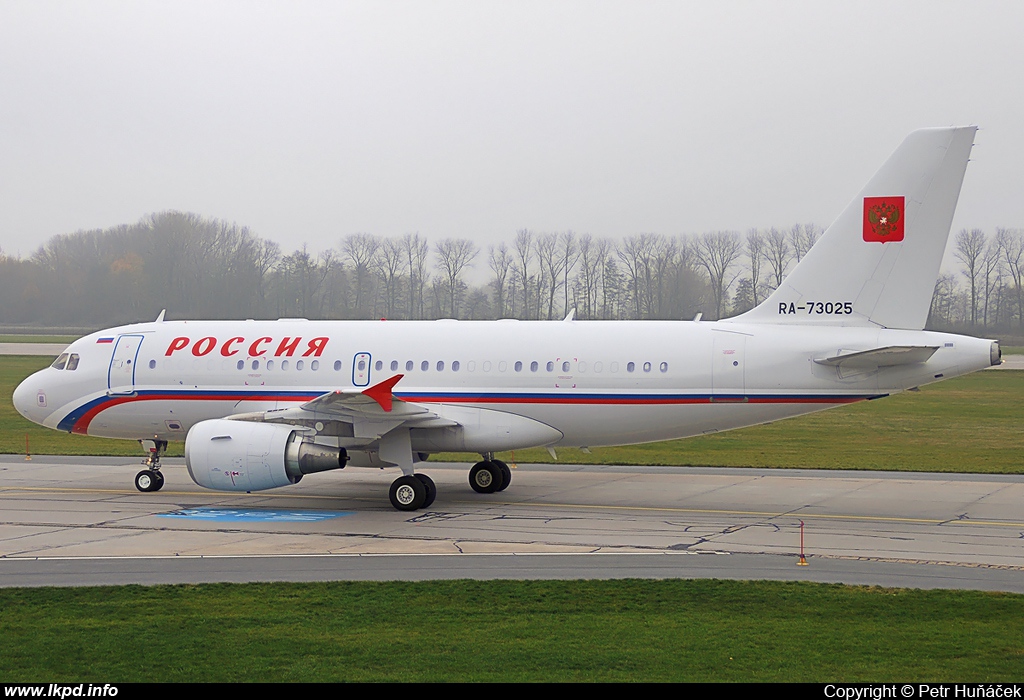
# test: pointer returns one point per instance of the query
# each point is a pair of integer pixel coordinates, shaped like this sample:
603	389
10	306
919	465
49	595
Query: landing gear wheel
506	474
485	477
428	483
148	480
407	493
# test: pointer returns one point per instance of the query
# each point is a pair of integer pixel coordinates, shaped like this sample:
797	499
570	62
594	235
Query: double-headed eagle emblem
883	218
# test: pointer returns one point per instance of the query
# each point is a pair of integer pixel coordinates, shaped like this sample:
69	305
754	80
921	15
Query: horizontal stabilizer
890	356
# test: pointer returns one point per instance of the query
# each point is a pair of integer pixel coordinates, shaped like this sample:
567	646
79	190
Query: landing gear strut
151	479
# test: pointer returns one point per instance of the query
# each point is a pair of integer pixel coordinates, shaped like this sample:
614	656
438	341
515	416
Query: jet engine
229	455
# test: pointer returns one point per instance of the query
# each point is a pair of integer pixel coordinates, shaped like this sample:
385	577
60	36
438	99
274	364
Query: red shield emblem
883	219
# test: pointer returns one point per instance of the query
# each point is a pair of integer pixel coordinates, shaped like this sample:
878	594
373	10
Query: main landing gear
412	492
490	476
151	479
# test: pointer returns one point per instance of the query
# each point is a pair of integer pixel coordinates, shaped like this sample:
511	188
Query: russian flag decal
104	340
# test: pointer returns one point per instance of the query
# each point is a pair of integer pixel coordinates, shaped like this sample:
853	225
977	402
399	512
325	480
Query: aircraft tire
407	493
428	483
485	477
158	480
506	475
146	481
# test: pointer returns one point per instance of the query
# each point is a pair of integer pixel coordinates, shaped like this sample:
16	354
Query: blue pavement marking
239	515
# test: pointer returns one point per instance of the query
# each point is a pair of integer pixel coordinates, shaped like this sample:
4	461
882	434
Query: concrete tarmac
80	521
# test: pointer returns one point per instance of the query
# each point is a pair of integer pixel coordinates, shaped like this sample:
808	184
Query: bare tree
1012	246
970	246
717	252
776	252
454	255
521	267
416	250
500	262
756	246
361	250
389	263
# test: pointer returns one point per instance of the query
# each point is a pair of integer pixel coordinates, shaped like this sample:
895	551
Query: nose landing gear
151	479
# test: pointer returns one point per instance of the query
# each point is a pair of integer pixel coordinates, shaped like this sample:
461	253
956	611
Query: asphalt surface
79	521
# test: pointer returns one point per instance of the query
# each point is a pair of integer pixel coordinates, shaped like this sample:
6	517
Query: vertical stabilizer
878	262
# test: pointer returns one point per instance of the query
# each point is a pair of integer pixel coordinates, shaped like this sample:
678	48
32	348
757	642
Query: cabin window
73	362
61	362
255	364
565	366
582	367
152	364
614	367
241	364
455	365
440	365
299	364
598	366
361	365
471	366
630	366
394	365
337	365
647	367
664	367
534	366
315	365
270	364
378	365
502	366
408	366
519	366
487	366
284	364
551	367
424	366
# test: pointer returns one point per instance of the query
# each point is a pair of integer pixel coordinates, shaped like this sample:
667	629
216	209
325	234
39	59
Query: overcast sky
308	121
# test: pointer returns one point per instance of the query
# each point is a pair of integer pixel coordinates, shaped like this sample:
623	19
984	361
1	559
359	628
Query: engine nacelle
230	455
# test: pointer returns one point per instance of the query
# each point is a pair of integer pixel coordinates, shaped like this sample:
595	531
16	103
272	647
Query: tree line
204	268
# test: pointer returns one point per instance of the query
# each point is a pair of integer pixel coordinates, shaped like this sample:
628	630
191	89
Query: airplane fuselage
596	383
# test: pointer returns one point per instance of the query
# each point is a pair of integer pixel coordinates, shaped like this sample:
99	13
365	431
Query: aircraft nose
29	400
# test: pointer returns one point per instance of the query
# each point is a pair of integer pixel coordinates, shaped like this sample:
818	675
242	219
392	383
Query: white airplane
261	404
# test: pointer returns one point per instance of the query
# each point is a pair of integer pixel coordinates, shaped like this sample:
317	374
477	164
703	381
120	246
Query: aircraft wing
376	402
372	412
889	356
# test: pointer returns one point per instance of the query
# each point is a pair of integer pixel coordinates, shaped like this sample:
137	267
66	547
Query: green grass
8	338
675	630
1013	349
969	424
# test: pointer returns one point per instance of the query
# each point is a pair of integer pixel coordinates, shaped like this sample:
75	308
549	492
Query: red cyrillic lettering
254	349
226	350
316	347
286	348
176	344
204	346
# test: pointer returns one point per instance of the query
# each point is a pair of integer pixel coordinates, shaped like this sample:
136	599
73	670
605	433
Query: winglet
381	393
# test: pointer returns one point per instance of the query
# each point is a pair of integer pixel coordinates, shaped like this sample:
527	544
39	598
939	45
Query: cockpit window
73	361
61	361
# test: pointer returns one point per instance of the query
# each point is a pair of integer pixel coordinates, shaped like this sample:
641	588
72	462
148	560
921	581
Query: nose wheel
149	480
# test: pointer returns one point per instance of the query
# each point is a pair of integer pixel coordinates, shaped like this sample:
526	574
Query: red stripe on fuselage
81	426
